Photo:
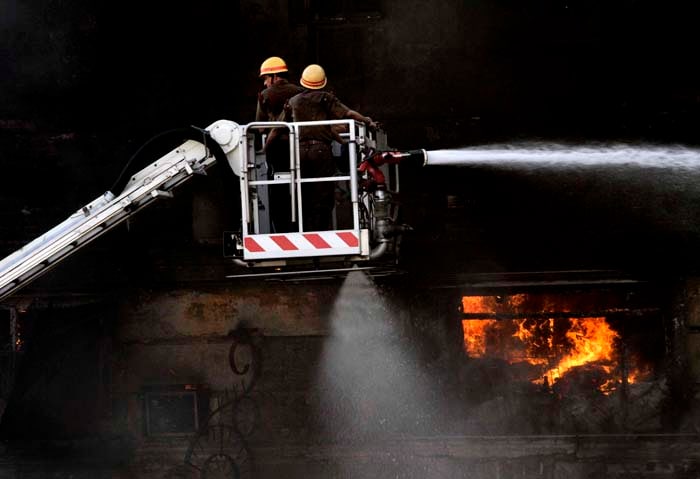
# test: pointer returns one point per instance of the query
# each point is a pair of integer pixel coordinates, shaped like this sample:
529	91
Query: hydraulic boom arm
104	213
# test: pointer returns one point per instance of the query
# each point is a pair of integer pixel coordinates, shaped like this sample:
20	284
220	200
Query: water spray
562	156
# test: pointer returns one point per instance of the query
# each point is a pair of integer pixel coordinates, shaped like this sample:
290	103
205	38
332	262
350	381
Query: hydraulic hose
138	162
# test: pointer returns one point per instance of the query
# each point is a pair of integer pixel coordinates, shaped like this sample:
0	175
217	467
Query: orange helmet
273	65
313	77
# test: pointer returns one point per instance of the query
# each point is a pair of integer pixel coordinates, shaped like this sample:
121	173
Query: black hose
181	134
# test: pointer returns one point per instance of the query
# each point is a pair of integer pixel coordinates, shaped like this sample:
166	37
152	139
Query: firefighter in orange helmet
270	107
316	158
277	90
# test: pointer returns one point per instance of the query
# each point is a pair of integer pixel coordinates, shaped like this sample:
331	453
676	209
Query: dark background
85	83
542	68
545	68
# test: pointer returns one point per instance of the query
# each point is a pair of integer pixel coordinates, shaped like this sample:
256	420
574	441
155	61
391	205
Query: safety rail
259	239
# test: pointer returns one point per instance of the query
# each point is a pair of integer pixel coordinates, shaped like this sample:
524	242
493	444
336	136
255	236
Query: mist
370	382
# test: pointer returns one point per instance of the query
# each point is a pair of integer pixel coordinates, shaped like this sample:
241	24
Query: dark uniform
315	153
271	100
271	103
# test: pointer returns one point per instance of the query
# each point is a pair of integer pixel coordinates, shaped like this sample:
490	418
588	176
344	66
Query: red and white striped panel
293	245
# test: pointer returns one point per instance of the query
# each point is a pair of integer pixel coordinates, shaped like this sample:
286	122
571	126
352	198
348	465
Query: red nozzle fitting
371	168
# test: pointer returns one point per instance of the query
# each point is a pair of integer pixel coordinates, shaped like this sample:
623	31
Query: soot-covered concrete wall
362	379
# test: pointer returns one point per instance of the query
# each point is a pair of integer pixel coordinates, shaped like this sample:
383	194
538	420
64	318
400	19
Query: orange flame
554	346
592	342
475	336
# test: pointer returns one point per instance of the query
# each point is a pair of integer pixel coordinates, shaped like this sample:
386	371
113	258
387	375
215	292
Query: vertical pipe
293	160
297	175
352	156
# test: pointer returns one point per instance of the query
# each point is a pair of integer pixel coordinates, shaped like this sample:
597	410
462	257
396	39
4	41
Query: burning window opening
548	343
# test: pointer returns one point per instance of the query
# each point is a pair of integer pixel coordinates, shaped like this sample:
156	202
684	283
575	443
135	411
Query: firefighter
271	103
316	159
270	107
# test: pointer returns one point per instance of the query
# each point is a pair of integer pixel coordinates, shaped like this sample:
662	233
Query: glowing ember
475	335
554	347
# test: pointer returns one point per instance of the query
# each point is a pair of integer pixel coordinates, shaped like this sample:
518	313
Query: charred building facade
539	319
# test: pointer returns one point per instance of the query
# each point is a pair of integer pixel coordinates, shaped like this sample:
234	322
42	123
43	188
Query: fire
553	346
475	336
592	341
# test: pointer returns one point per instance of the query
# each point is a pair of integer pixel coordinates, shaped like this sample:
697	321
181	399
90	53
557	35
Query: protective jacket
271	100
316	105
